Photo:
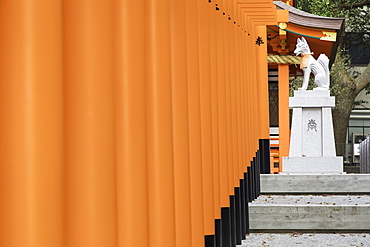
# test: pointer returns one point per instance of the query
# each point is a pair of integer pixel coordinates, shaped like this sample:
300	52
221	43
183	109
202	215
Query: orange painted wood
89	121
252	89
234	109
126	121
240	93
238	100
31	126
245	100
159	126
180	116
255	97
229	136
215	110
249	98
283	112
195	144
130	123
262	84
224	178
206	116
244	109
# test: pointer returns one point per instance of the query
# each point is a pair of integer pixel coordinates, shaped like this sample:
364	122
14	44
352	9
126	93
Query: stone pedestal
312	147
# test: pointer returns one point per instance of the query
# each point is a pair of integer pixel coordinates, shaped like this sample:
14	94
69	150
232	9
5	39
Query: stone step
306	239
315	184
327	213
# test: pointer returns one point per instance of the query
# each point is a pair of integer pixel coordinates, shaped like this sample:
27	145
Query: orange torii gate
131	122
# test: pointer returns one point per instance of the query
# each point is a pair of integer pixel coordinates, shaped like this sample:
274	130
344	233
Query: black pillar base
225	227
233	226
209	241
232	221
238	217
264	145
218	233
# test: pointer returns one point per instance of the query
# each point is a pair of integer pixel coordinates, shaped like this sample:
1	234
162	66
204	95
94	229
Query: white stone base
320	165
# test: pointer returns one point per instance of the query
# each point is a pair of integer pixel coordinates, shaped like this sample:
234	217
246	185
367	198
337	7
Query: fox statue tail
324	62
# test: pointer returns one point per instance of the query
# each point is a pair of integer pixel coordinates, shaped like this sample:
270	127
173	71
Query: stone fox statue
319	67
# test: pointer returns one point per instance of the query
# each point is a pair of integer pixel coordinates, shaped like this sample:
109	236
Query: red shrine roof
300	17
322	34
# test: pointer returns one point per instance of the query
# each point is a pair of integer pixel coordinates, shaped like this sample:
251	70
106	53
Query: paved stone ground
307	239
314	199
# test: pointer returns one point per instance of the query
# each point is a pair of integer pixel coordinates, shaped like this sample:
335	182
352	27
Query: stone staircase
312	203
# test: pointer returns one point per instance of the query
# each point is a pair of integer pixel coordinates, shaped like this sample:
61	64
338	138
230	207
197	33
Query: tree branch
356	5
363	80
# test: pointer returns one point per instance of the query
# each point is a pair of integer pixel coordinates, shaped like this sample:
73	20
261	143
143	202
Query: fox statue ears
302	40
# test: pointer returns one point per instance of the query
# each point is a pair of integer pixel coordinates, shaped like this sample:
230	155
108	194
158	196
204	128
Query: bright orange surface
31	126
130	138
283	111
262	86
126	122
180	125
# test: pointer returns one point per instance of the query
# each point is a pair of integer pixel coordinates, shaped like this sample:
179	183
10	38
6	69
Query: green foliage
357	20
367	89
320	7
336	8
339	68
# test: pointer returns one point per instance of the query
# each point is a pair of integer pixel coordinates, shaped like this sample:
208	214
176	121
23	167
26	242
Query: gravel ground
307	239
314	199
